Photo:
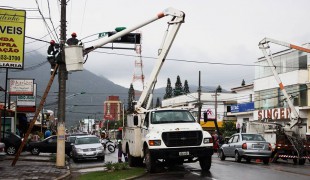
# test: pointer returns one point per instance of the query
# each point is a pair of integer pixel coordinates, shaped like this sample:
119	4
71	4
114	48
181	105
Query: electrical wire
49	12
46	25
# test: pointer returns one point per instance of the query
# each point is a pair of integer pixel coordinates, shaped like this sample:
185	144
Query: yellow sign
12	38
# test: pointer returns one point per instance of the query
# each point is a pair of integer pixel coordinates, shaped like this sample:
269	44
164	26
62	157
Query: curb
65	175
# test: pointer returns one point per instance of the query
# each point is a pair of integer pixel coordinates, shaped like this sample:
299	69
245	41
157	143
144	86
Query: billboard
27	103
21	87
12	38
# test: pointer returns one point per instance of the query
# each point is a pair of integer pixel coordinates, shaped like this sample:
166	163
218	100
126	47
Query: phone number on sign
13	58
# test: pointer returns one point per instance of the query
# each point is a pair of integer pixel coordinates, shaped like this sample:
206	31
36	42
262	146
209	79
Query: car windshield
252	137
171	116
87	140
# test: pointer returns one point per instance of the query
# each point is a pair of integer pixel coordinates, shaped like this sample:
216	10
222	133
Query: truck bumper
181	152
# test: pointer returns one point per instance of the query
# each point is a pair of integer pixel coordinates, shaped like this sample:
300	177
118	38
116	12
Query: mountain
79	105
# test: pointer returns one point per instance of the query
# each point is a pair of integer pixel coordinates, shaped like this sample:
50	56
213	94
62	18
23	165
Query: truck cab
170	136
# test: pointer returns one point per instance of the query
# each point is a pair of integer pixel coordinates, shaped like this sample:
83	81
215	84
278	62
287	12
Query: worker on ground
73	40
52	52
120	151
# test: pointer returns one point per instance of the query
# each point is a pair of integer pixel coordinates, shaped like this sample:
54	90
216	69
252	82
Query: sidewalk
32	167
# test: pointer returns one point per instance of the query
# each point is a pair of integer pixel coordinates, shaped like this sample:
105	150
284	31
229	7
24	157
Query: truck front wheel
205	163
149	161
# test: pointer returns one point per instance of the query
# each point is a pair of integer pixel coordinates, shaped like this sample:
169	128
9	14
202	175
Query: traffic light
205	116
130	38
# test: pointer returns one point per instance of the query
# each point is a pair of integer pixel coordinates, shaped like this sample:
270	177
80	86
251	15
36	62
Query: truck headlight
154	142
207	140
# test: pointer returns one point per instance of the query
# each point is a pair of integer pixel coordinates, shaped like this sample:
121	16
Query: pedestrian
120	151
73	40
47	133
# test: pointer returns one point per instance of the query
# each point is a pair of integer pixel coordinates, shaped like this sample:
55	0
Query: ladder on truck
48	87
298	145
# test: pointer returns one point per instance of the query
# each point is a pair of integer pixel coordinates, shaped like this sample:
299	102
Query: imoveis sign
12	38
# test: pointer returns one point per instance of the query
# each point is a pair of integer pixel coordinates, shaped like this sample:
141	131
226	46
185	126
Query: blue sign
244	107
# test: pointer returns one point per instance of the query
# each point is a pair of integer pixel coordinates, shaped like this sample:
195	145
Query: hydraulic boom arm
264	45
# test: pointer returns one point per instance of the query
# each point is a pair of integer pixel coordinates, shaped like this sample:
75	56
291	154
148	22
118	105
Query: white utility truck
170	136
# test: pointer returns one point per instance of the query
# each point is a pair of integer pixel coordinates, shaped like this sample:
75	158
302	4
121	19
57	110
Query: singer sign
273	114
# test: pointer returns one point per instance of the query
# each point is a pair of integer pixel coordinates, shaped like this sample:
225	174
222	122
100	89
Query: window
236	139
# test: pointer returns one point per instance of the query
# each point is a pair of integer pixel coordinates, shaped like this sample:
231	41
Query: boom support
264	45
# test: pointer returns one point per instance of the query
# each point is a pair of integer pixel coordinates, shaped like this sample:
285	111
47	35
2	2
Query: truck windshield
171	116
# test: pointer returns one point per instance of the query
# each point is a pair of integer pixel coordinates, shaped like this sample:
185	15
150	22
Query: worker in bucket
73	40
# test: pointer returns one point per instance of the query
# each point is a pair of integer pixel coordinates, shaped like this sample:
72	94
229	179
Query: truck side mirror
205	116
135	120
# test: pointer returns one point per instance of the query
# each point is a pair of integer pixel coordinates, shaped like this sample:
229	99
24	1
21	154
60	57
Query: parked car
12	142
2	151
87	147
71	138
48	145
247	146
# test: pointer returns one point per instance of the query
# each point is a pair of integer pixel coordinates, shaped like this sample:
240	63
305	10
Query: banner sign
244	107
12	38
21	87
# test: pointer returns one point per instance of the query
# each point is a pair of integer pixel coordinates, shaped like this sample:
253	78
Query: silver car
247	146
87	147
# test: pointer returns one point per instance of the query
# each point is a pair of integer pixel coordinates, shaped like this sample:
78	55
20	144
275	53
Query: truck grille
183	138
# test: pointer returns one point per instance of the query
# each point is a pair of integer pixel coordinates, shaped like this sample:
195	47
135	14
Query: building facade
270	106
112	108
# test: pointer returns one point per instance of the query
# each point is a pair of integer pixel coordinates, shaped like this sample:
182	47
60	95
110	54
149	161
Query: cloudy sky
219	38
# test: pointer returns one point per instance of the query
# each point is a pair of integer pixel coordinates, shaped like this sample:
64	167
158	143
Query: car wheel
205	163
301	161
101	158
221	155
237	157
11	150
149	161
266	161
75	159
35	151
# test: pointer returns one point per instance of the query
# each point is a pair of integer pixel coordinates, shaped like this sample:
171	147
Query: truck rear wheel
205	163
149	161
301	161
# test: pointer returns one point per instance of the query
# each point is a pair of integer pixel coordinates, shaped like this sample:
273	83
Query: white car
85	147
2	151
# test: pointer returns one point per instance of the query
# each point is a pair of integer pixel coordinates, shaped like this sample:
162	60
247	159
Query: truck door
145	126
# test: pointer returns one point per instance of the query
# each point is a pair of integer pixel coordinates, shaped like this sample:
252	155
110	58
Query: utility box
74	58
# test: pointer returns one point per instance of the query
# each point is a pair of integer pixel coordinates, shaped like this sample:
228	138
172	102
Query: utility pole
60	157
215	119
199	101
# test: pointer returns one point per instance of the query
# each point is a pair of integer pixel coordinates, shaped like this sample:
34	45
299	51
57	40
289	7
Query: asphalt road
228	170
220	170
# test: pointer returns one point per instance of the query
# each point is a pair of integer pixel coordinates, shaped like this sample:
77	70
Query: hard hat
73	34
52	42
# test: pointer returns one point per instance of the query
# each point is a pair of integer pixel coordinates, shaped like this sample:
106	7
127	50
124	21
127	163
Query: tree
228	129
219	89
178	88
243	83
186	88
131	98
168	90
158	104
